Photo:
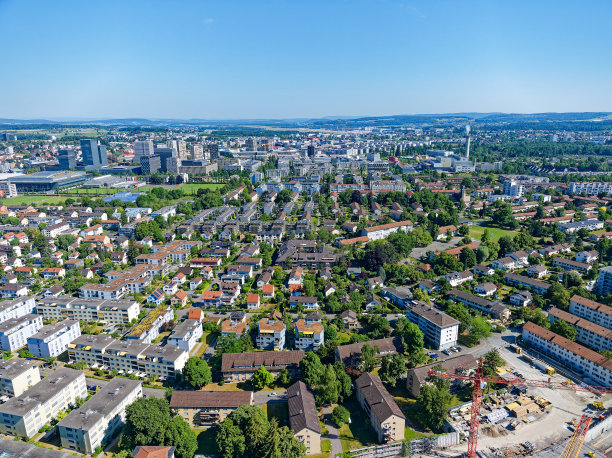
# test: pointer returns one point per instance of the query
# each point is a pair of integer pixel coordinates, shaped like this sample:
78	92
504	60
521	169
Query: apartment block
308	336
23	449
207	408
14	332
78	308
16	308
271	334
569	264
385	230
590	334
16	376
439	329
95	422
128	357
54	339
484	306
591	188
591	364
386	418
24	415
149	328
604	281
537	286
590	310
303	417
186	334
241	366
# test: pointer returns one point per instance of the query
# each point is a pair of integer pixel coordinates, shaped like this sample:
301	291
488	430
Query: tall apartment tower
311	150
604	281
251	144
143	148
94	155
214	151
67	159
467	143
197	152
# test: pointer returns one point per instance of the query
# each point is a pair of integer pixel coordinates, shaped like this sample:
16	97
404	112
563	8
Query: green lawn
478	229
278	411
206	441
325	449
358	433
38	199
410	434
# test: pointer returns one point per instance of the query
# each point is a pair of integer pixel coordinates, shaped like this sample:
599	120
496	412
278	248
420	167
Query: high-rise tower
467	143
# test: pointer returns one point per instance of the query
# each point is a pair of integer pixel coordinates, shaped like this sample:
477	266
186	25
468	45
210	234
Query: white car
273	394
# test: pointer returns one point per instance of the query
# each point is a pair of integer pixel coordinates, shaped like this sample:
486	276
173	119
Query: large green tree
262	378
563	328
392	368
197	373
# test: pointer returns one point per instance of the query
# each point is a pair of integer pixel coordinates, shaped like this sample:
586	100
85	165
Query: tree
412	339
179	434
479	329
392	368
503	216
329	387
308	287
368	360
311	368
564	329
559	296
262	378
482	254
467	257
283	377
460	313
492	361
486	236
340	416
346	384
230	440
433	402
197	373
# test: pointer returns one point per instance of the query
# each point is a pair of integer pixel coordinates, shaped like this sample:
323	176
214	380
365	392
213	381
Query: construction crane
574	445
480	381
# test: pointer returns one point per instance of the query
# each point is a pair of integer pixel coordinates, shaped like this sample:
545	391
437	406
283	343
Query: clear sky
302	58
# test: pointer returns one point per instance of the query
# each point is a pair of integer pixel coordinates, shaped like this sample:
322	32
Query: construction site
533	412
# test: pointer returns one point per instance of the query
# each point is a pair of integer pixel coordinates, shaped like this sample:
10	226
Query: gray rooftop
41	392
12	324
183	329
17	449
11	368
51	329
81	302
100	404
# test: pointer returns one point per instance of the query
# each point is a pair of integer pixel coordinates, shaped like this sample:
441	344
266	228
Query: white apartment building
149	328
186	335
604	281
14	332
308	336
385	230
16	376
24	415
78	308
271	335
591	188
590	334
53	339
8	189
100	417
513	189
128	357
590	363
439	329
590	310
16	308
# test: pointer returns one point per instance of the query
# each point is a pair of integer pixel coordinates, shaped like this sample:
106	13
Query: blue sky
302	58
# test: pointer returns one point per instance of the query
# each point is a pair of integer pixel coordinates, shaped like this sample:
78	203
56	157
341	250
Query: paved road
264	397
210	350
332	433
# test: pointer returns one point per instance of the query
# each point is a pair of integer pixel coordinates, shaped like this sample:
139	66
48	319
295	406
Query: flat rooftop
9	369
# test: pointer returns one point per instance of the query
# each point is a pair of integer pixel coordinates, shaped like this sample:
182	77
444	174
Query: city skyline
276	60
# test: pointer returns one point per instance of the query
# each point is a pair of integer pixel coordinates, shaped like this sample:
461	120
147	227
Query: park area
495	232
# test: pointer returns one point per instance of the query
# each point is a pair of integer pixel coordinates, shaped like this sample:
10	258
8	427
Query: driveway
264	397
332	433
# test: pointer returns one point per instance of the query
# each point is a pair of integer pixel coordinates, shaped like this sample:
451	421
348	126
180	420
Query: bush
340	415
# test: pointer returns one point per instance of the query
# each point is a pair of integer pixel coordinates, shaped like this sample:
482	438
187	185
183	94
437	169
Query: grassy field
478	229
28	200
358	434
325	449
206	441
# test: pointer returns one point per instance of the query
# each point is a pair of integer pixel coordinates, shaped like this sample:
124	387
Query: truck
516	349
544	367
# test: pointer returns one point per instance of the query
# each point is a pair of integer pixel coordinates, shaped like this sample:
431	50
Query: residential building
417	377
14	332
513	189
16	376
569	264
597	369
25	414
350	354
130	357
88	309
53	339
94	154
590	334
16	308
589	225
539	287
537	271
587	256
149	328
186	335
306	302
13	448
485	289
308	336
303	417
386	418
208	408
440	330
100	417
241	366
590	310
521	298
590	188
493	308
143	148
604	281
271	334
384	230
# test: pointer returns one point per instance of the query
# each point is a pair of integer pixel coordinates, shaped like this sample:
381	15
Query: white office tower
143	148
467	143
